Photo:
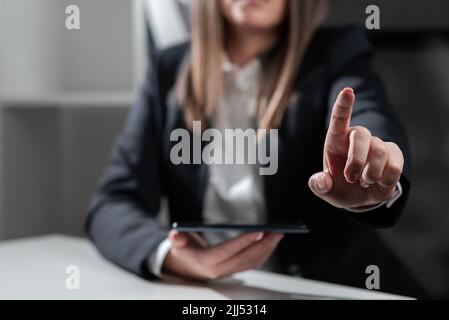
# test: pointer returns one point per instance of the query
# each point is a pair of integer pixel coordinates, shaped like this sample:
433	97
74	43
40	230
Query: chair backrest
167	22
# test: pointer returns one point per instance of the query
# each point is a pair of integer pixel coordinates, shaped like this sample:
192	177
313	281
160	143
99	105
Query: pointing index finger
341	112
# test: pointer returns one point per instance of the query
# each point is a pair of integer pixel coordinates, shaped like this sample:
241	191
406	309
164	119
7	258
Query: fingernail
258	236
364	185
353	177
321	183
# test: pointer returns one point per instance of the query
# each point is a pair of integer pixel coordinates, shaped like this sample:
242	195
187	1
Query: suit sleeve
352	62
122	215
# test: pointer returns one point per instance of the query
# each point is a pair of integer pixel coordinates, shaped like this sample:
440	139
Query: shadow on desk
235	289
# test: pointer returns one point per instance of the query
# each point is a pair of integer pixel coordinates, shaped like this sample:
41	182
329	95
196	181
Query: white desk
35	269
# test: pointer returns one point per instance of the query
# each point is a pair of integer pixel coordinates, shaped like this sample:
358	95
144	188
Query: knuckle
342	103
355	163
393	146
390	181
395	150
361	132
337	116
379	150
372	176
394	171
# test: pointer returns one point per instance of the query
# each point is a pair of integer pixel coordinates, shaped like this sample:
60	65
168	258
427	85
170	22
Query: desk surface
35	268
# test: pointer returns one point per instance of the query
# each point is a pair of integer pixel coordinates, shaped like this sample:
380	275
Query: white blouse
234	192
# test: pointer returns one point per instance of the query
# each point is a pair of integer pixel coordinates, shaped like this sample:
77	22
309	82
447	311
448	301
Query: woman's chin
252	22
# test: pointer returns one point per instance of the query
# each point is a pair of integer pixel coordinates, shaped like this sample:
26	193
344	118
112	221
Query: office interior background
64	96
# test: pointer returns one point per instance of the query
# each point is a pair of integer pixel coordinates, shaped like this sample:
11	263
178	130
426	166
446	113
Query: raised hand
359	170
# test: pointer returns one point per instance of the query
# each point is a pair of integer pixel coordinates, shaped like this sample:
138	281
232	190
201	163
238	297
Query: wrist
366	208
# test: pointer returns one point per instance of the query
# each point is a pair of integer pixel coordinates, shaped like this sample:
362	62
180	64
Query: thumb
181	239
177	239
321	184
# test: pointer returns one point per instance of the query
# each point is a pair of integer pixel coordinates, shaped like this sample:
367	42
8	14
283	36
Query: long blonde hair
200	85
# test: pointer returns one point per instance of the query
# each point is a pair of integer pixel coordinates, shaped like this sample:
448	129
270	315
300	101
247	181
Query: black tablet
191	227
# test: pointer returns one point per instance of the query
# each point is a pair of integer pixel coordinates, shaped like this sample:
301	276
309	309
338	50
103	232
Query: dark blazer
122	221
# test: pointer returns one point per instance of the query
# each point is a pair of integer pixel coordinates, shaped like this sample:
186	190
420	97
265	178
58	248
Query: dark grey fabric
122	220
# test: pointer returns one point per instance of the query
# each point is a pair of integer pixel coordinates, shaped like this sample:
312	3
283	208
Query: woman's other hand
191	257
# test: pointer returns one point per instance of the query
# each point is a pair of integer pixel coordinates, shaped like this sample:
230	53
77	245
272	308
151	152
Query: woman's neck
244	45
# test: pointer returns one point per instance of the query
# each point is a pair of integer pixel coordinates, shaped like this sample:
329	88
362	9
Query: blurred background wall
57	87
64	96
417	78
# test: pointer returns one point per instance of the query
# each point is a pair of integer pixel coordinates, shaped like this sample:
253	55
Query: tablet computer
204	228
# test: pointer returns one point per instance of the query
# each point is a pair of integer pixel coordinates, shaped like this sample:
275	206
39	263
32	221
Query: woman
260	64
